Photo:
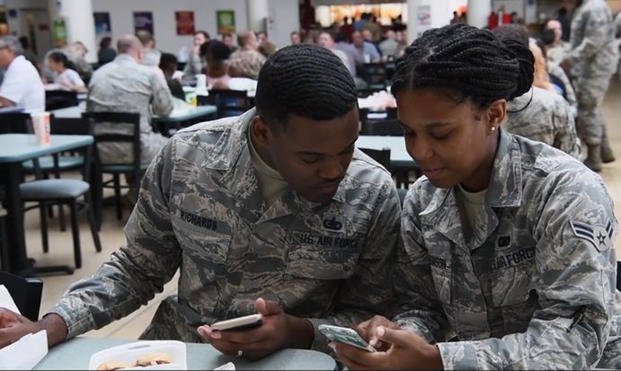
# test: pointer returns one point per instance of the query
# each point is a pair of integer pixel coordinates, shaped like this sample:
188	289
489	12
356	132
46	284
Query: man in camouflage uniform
593	58
546	117
207	207
124	85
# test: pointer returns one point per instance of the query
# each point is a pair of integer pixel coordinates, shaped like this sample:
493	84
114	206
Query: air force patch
598	236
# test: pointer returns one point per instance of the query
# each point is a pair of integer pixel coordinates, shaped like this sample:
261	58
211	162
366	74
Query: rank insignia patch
598	236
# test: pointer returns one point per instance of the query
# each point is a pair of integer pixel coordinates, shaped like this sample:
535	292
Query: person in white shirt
22	86
65	76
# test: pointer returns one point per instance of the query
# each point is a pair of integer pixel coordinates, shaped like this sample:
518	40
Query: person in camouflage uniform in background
507	259
593	59
273	212
539	114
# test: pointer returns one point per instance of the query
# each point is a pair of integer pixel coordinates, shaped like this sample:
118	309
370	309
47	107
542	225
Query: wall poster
102	23
143	21
225	19
185	22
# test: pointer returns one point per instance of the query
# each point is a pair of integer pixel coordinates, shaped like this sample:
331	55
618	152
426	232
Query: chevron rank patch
598	236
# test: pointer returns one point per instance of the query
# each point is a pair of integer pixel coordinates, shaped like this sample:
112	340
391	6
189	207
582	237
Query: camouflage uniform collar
125	59
505	186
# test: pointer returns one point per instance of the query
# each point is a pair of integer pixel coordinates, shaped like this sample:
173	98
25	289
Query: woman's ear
496	114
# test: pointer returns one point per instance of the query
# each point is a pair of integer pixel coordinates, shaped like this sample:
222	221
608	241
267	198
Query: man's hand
13	326
278	330
368	331
407	351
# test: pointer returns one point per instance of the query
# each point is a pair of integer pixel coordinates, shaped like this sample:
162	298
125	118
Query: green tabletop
76	353
21	147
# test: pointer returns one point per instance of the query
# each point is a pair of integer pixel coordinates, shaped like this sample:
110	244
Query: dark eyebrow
428	126
352	144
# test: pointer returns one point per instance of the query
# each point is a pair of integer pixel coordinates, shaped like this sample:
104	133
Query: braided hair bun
469	61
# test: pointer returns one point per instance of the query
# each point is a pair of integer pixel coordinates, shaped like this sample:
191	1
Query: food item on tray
151	359
113	365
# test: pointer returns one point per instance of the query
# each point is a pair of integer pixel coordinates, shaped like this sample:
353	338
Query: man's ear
496	114
261	131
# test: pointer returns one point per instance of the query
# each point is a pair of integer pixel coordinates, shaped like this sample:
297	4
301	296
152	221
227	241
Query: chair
65	191
116	127
15	123
382	156
26	293
55	99
618	275
374	74
4	245
229	102
380	122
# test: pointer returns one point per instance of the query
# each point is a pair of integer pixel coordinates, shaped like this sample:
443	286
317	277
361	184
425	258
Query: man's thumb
267	307
390	336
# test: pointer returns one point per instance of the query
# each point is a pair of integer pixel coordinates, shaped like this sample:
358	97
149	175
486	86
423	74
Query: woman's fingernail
332	346
216	335
380	331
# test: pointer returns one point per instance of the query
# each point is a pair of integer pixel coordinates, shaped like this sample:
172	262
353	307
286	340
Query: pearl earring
493	128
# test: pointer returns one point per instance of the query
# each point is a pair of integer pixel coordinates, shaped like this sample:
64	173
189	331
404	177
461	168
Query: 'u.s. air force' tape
598	236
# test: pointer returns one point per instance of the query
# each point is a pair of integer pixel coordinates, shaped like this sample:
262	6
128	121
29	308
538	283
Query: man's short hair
11	42
127	43
304	80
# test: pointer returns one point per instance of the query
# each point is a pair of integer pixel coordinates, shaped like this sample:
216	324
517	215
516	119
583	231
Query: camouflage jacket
546	117
535	286
200	210
594	50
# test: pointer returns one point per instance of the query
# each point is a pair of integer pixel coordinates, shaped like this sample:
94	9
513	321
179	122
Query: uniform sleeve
420	308
162	103
368	291
575	284
595	24
135	272
565	137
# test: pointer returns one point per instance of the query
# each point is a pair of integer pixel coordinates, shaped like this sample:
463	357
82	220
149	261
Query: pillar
258	13
426	14
478	12
78	17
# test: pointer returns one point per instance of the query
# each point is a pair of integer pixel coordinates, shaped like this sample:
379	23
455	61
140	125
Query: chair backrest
26	293
618	275
382	156
116	127
15	123
374	74
55	99
229	102
380	122
74	126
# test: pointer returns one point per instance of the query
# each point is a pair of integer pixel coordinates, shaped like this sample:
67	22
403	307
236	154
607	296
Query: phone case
238	323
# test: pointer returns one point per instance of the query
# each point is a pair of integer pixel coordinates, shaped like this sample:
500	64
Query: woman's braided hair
468	61
304	80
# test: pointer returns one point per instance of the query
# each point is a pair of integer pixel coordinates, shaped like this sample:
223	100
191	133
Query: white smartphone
345	335
239	323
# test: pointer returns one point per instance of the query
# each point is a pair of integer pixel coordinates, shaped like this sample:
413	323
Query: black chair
26	293
120	128
55	99
15	123
4	245
229	102
48	192
375	75
382	156
380	122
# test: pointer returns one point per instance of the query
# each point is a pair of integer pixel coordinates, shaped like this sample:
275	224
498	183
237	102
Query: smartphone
239	323
345	335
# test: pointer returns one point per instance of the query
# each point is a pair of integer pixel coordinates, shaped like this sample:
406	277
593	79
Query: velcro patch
597	236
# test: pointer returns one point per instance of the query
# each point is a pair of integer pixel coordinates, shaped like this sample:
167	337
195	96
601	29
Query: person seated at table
151	54
246	61
106	53
168	65
274	212
66	77
124	85
508	260
21	86
217	69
